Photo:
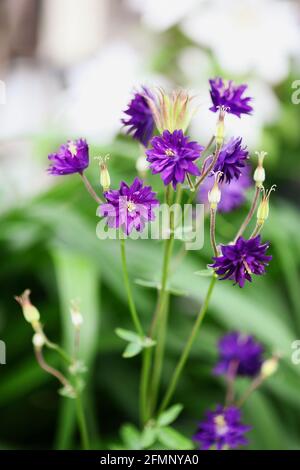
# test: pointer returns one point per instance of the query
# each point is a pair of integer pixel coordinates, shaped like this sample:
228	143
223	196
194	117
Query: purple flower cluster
239	353
72	157
232	195
229	96
129	207
172	155
140	122
242	259
222	429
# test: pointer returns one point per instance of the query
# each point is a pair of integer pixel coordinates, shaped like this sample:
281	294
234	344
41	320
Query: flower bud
263	208
260	174
38	340
269	367
104	173
30	312
76	316
214	195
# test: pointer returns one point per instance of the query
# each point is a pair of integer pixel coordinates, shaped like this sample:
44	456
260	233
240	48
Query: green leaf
149	436
170	415
157	285
133	349
128	335
131	436
173	439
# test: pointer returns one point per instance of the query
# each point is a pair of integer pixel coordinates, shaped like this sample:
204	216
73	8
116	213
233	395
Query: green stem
213	231
185	353
249	215
82	423
144	386
131	303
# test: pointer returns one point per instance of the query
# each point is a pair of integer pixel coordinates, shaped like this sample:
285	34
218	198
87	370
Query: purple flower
232	194
140	122
239	355
241	260
230	96
129	207
72	157
172	155
232	159
222	429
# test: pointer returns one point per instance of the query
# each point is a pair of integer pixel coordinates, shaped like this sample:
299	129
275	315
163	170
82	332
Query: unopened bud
269	367
104	173
263	208
214	195
30	312
76	316
260	174
38	340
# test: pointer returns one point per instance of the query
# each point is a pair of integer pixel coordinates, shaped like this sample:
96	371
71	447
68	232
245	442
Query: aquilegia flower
72	157
230	96
232	194
239	355
222	429
172	155
242	259
232	158
129	207
140	122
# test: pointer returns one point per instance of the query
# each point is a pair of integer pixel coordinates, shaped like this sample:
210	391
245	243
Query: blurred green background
58	86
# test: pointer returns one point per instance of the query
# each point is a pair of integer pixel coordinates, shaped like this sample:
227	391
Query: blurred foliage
49	244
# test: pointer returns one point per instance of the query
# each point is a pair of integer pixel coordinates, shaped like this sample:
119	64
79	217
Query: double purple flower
230	96
129	207
72	157
222	429
242	259
140	120
173	155
239	354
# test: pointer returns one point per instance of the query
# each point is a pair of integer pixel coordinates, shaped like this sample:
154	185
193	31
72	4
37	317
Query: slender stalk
82	423
209	168
90	188
249	215
209	144
162	306
144	386
256	231
231	374
68	359
131	303
185	353
50	370
253	386
213	231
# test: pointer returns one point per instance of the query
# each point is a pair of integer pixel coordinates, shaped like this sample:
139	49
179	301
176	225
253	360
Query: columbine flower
171	111
222	429
239	353
233	194
241	260
230	96
129	207
232	159
72	157
172	155
140	122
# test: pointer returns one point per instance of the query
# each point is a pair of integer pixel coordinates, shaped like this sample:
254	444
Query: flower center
131	206
170	153
221	425
246	265
72	148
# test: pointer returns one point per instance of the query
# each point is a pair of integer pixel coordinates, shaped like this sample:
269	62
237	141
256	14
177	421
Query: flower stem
82	423
213	231
185	353
90	188
256	231
131	303
249	215
144	386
